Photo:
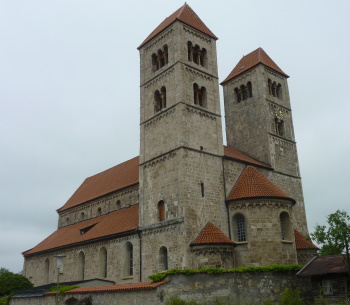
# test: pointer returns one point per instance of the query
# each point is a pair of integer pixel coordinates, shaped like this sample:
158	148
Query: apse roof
184	14
302	243
253	184
211	234
251	60
121	221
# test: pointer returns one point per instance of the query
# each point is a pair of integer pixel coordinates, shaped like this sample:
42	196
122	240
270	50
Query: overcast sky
69	96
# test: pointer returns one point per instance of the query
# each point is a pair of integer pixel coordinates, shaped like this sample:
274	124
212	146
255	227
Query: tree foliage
12	282
335	237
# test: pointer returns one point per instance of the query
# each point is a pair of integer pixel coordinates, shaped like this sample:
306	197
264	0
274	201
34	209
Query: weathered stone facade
184	175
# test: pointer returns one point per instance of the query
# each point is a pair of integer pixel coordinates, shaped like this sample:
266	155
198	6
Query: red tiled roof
186	15
251	60
252	184
113	288
117	177
325	265
233	153
301	242
120	221
211	234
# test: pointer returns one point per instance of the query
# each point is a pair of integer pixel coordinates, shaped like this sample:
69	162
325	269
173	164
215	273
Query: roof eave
262	197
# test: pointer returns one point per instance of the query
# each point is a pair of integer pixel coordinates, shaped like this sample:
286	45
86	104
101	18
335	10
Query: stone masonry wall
240	288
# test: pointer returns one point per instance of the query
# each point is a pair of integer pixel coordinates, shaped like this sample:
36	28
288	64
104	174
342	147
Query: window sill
128	277
241	242
287	241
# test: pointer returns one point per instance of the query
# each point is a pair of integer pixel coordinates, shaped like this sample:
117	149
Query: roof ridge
181	10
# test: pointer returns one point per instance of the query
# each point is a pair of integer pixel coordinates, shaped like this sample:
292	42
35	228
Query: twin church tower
188	201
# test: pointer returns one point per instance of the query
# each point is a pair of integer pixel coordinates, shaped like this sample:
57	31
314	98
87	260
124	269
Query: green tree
335	237
12	282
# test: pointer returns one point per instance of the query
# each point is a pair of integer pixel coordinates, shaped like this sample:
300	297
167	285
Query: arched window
249	88
203	58
286	227
99	212
163	259
163	96
161	210
199	96
82	216
195	54
118	204
239	228
129	259
189	51
161	59
103	262
67	221
47	271
154	62
269	84
166	59
279	91
238	95
81	266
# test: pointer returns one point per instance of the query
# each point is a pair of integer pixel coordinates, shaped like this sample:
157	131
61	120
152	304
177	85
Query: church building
188	201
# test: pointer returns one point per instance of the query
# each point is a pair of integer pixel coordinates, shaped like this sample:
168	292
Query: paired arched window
239	228
47	271
163	259
129	259
197	55
275	89
81	266
159	99
160	59
103	262
161	210
286	228
243	92
199	96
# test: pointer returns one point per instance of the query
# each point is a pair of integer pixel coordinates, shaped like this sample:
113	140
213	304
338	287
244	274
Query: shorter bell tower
259	122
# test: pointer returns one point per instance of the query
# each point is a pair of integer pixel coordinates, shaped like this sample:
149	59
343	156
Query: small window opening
129	259
201	147
239	228
161	210
163	259
118	204
84	230
279	127
99	212
202	189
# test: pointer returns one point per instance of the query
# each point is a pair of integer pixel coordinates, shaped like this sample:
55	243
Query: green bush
12	282
275	268
62	288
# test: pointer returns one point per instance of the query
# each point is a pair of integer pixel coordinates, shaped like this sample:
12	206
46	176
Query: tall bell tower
259	123
181	147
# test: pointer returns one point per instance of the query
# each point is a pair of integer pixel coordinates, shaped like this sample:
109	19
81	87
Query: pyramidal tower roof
184	14
251	60
253	184
211	234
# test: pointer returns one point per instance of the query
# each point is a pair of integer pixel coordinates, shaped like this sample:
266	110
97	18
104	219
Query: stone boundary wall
240	288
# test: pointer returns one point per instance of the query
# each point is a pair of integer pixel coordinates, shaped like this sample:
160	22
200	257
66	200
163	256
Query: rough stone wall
116	256
264	244
241	288
178	179
107	204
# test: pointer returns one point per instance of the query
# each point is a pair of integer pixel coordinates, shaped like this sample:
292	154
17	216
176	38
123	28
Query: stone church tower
181	149
259	123
188	201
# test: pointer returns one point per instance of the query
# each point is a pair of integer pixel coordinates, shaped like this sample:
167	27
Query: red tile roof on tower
121	221
116	178
233	153
252	184
211	234
251	60
184	14
113	288
301	242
